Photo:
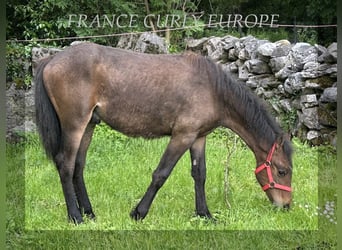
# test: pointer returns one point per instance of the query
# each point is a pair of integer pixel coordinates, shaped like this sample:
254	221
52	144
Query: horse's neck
257	145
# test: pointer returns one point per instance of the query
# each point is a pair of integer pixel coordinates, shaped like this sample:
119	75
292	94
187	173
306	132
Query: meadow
118	173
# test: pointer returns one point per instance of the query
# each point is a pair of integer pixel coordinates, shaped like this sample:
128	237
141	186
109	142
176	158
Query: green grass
117	174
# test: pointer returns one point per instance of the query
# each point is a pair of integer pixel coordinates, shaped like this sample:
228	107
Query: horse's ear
284	137
287	136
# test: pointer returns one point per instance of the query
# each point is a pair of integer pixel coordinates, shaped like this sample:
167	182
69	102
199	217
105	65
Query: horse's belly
135	122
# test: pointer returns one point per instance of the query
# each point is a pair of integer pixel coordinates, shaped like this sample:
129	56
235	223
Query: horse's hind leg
65	162
73	132
198	172
78	180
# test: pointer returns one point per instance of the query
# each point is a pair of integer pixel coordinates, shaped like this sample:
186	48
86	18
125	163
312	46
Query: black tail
46	117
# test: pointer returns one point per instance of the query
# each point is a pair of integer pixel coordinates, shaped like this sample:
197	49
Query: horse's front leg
198	172
175	149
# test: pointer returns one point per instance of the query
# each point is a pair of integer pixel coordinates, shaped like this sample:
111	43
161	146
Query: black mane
237	96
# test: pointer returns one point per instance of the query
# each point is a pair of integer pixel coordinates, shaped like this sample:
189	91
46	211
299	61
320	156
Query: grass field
119	171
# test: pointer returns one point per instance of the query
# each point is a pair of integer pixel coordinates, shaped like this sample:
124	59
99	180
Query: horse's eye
282	172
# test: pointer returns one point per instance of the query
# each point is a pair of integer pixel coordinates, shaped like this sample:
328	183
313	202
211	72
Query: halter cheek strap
267	165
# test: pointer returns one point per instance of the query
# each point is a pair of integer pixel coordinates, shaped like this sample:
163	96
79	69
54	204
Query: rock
286	105
243	55
269	94
74	43
323	81
128	41
299	53
311	85
309	118
284	73
329	55
151	43
300	47
332	71
40	53
214	49
327	117
294	83
283	48
250	48
239	63
277	63
310	69
332	49
312	57
252	83
196	44
296	103
266	49
329	95
232	55
20	111
219	55
259	91
329	135
313	136
238	46
266	81
27	126
232	67
243	73
308	101
228	42
257	66
315	69
283	42
321	51
281	89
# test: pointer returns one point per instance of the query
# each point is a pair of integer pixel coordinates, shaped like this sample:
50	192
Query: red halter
267	164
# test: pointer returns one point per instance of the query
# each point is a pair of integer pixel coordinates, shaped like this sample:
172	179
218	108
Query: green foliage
18	67
50	18
118	172
262	33
307	35
35	18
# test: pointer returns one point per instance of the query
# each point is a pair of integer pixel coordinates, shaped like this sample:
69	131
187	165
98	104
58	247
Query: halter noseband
267	165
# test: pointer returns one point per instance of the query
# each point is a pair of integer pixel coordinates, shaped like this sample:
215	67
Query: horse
184	96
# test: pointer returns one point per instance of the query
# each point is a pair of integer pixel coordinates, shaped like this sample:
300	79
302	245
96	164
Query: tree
32	19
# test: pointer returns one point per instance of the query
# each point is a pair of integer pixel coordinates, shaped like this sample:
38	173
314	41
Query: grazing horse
182	96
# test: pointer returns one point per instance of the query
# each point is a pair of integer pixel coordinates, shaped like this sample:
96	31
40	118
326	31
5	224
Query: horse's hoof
76	219
90	216
135	215
206	215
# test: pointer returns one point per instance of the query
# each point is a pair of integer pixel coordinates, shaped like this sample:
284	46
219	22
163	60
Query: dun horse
181	96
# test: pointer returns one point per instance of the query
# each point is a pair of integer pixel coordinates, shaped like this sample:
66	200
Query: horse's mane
237	96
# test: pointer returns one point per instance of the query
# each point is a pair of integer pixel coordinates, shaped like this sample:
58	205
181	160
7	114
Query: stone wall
299	81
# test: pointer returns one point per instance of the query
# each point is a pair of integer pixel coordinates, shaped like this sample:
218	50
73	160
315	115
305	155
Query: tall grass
119	170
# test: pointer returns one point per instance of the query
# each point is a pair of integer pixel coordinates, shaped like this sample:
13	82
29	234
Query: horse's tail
46	117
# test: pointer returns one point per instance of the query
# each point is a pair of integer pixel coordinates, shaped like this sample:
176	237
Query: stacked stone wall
297	80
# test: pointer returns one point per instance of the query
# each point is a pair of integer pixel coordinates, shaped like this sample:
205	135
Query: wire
167	29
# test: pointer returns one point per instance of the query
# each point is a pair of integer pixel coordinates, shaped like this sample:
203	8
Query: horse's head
275	173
